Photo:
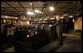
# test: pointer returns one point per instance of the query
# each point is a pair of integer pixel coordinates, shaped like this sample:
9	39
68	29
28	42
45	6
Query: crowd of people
8	29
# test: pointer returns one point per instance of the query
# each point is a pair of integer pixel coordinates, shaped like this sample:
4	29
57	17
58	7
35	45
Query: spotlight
51	8
70	16
30	13
37	11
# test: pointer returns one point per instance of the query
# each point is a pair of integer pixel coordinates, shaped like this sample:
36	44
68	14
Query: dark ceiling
20	8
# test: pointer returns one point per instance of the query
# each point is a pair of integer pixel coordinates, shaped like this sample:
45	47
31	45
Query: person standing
48	31
10	35
59	29
2	28
3	33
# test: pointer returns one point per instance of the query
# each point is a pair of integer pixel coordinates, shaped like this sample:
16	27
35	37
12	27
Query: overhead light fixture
45	19
31	3
50	25
28	22
6	16
40	19
37	11
70	16
52	18
30	13
65	15
51	8
61	17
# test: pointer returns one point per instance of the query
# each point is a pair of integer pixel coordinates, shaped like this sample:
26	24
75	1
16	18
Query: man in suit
59	29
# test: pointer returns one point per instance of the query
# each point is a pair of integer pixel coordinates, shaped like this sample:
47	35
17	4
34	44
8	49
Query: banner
78	24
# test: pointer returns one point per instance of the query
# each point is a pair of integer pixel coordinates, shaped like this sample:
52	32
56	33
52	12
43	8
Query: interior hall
41	26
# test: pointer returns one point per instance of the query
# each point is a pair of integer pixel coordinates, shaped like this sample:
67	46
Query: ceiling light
52	18
40	19
45	19
61	17
37	11
70	16
30	13
30	3
51	8
65	15
28	22
6	16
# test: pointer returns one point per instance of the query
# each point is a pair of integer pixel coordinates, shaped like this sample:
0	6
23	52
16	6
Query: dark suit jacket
59	26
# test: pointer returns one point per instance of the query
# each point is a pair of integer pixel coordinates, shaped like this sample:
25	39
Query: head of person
57	17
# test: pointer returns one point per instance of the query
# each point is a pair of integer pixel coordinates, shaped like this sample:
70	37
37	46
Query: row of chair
33	43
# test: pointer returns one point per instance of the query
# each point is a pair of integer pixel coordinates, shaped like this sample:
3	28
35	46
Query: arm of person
56	23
